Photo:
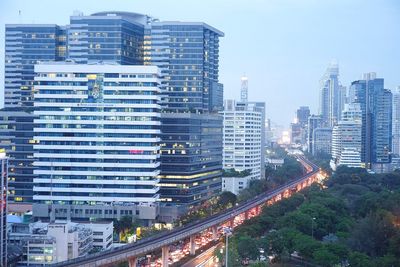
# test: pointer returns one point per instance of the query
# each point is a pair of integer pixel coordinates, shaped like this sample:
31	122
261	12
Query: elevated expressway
131	252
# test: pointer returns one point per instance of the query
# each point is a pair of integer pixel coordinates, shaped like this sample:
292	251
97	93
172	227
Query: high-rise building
346	138
376	107
396	122
332	96
314	122
25	46
96	141
3	207
322	141
110	37
244	89
243	127
16	137
302	115
191	159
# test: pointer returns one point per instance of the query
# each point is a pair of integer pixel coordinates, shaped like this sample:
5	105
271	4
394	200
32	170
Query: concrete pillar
214	230
165	256
192	245
132	261
246	215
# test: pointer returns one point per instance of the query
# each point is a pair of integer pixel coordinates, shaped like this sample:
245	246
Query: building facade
109	37
314	122
3	207
191	160
96	140
396	122
346	138
376	107
48	243
332	96
322	141
242	141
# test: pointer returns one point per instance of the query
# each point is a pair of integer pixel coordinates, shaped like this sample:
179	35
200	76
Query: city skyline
270	58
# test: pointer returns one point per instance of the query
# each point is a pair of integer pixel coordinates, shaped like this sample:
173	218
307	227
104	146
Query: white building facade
346	138
243	134
96	141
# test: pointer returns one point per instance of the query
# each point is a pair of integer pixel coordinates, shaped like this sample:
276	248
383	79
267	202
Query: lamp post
227	232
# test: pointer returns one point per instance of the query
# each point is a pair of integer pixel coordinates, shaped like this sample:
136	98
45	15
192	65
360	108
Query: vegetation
234	173
354	222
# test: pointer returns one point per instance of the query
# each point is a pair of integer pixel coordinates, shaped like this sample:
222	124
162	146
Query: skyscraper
302	115
25	46
332	96
346	138
188	56
314	122
244	89
396	122
96	141
113	37
376	107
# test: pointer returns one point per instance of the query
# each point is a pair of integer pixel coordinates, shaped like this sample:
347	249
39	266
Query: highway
142	247
205	259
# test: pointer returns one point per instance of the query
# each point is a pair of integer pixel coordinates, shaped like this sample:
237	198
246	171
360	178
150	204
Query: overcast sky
283	46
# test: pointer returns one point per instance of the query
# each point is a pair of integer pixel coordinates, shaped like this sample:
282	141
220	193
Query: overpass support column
192	245
132	262
164	256
246	215
214	230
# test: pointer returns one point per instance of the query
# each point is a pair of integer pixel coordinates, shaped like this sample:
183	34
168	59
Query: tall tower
332	95
396	121
376	108
244	90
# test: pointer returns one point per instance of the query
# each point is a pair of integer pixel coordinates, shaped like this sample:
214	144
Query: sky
283	46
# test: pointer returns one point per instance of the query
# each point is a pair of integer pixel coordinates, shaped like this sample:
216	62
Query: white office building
243	134
96	141
346	138
396	122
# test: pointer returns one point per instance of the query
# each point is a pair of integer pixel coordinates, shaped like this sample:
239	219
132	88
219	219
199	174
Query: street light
312	227
227	232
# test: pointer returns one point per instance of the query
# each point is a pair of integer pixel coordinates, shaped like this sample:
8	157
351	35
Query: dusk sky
283	46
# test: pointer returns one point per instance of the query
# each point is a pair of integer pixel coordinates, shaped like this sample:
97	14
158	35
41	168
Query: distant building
322	141
376	108
396	122
332	96
346	138
97	141
296	133
48	243
244	89
243	137
302	115
3	207
314	122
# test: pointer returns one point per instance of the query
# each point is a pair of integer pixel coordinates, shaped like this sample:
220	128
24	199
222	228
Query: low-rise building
49	243
235	181
102	234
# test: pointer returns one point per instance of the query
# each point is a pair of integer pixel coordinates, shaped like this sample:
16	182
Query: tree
247	248
358	259
322	256
227	198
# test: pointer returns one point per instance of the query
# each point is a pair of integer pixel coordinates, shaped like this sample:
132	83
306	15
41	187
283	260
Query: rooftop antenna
19	17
